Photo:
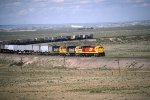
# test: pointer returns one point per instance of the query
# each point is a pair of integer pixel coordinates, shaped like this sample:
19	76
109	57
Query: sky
72	11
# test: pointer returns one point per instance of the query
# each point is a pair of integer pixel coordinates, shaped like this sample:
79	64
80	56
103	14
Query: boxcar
44	48
82	36
59	38
15	48
9	47
21	47
50	49
68	37
28	47
36	48
47	39
2	46
64	38
54	39
90	36
73	37
50	39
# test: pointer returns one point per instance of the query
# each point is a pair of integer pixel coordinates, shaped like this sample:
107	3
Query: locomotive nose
101	49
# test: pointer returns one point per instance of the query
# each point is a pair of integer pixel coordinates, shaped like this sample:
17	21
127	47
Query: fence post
119	66
64	61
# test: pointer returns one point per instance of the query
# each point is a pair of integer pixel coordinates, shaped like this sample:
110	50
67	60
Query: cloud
134	1
45	3
97	1
58	1
56	9
23	12
90	1
16	3
146	5
76	8
142	3
49	1
10	3
82	2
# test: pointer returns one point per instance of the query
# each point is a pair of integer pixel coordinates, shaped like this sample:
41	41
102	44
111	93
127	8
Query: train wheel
72	54
103	54
96	55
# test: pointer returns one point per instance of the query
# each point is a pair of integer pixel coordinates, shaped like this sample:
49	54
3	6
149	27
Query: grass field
98	32
37	77
44	81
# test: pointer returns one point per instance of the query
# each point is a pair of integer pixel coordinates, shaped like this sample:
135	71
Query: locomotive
96	50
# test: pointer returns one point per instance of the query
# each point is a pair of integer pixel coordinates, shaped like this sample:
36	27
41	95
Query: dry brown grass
43	81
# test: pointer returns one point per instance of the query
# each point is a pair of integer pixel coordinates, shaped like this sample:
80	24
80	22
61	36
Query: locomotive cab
99	51
62	50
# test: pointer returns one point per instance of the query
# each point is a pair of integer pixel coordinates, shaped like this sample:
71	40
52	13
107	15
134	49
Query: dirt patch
2	65
82	62
50	83
74	78
108	63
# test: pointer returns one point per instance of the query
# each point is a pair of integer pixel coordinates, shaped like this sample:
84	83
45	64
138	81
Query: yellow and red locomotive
82	50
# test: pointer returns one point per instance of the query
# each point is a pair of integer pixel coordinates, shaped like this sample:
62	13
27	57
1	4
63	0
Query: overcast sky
72	11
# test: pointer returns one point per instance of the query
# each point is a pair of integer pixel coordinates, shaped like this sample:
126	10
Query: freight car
97	50
48	39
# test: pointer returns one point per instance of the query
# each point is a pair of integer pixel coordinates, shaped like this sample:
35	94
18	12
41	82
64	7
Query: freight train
97	50
48	39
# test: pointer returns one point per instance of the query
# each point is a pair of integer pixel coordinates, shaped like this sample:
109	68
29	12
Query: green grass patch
104	89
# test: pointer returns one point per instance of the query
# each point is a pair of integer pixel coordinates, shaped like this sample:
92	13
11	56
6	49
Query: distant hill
35	27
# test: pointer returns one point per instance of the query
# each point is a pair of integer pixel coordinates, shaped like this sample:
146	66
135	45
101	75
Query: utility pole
119	66
64	61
